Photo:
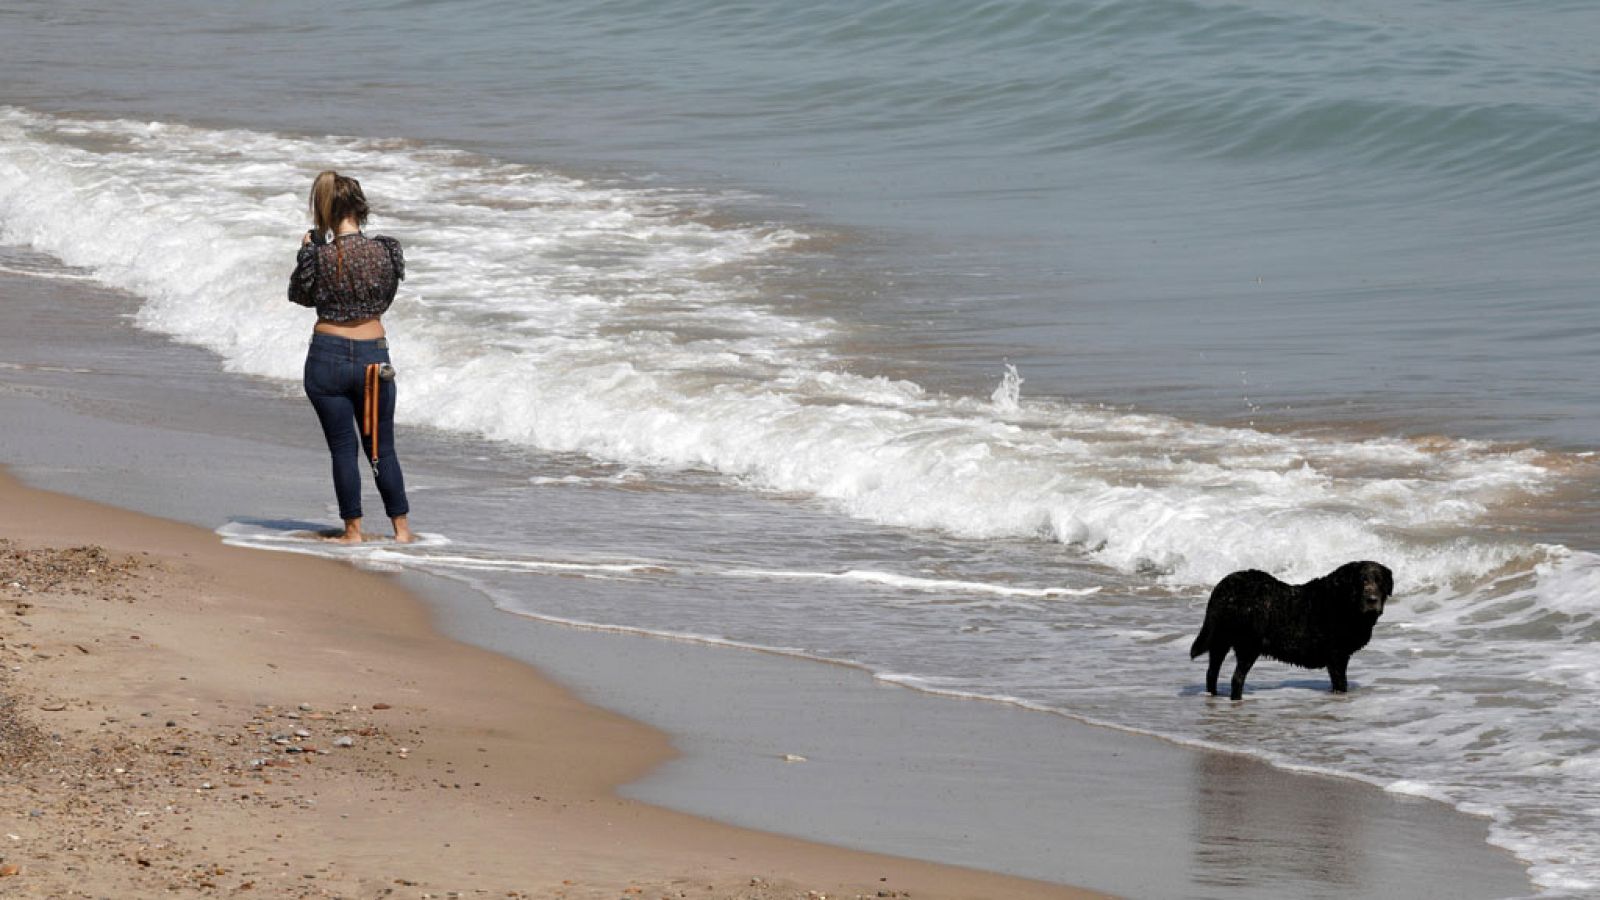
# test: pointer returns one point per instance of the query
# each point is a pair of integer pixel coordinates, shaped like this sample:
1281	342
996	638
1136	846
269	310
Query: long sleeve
303	282
397	257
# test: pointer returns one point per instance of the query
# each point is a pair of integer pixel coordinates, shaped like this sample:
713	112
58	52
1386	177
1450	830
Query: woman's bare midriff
355	330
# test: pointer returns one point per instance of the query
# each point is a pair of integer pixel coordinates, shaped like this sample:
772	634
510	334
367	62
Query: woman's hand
305	239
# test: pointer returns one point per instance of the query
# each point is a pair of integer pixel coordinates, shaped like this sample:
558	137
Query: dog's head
1370	585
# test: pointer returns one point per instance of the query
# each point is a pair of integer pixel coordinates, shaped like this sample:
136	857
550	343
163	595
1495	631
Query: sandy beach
187	719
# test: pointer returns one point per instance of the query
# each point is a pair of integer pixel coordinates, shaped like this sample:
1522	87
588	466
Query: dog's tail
1202	642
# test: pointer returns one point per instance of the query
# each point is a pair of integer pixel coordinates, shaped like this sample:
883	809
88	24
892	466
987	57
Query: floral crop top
353	277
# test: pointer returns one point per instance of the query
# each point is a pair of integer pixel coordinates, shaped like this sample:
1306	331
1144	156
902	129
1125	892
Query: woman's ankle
350	535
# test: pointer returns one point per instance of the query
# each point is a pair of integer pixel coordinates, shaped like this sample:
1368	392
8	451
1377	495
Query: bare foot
334	536
349	534
402	530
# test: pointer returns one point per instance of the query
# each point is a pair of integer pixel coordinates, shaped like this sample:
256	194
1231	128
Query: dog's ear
1385	580
1351	575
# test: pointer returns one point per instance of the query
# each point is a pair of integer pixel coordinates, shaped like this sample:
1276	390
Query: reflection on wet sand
1249	831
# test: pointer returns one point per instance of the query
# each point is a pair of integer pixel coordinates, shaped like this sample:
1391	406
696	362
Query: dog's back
1245	602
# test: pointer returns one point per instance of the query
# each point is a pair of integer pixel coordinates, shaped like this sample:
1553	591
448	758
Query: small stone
381	706
301	732
346	741
10	869
53	707
794	758
305	707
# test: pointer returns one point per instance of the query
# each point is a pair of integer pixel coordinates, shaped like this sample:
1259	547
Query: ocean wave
1415	92
613	321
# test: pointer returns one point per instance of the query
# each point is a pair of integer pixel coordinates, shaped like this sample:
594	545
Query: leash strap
369	411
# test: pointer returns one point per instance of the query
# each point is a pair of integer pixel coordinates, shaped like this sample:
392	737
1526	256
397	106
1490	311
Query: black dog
1314	625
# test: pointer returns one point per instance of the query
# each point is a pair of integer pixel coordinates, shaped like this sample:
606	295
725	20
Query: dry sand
180	718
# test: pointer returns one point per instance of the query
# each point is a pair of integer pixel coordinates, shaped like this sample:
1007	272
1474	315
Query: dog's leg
1336	673
1219	652
1244	658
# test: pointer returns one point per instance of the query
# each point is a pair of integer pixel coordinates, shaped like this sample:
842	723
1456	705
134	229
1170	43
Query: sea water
968	343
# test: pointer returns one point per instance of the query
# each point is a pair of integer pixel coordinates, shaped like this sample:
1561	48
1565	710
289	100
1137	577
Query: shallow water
1279	285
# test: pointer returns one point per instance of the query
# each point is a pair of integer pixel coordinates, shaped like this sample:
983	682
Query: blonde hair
334	198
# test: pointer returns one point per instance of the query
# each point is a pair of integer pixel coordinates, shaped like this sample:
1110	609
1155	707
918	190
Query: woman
351	281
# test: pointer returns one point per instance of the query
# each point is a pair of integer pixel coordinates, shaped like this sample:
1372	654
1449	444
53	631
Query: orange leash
369	411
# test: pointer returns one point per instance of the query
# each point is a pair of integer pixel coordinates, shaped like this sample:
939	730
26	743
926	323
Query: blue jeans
335	380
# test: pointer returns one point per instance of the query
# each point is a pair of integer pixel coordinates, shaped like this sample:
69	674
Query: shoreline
156	428
554	761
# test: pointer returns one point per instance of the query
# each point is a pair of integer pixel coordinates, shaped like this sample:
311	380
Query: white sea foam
42	273
612	321
423	555
617	322
913	583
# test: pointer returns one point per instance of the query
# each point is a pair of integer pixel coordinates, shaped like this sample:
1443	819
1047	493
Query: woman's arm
303	281
396	257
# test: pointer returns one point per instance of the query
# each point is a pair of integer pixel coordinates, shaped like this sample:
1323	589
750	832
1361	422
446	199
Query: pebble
794	758
344	742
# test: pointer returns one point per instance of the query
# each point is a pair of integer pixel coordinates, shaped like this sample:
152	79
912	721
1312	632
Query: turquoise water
1345	211
969	343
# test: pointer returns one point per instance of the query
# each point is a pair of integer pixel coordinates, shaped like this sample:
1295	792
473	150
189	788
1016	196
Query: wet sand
177	711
